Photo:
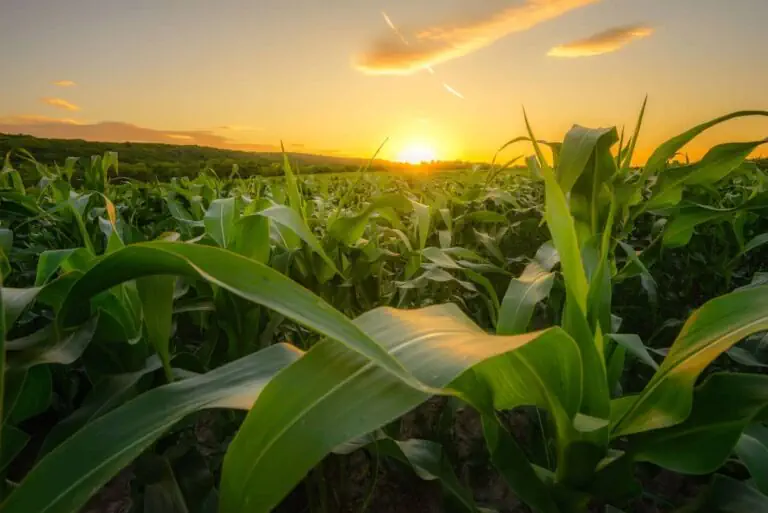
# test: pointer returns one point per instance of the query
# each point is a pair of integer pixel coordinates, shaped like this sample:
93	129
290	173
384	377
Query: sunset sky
448	77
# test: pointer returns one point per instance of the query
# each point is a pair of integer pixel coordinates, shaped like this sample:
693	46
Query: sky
439	78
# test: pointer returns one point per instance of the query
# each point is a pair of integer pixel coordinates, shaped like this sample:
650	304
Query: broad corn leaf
709	332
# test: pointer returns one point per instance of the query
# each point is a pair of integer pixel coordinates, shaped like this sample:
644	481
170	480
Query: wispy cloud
60	103
434	45
607	41
64	83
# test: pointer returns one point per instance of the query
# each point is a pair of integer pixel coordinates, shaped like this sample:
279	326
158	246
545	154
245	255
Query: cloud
64	83
607	41
60	103
389	55
113	131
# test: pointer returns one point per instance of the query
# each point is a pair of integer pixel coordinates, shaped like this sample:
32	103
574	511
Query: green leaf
635	265
290	219
482	216
521	298
754	243
722	407
578	148
292	185
15	301
423	217
220	219
243	277
48	347
107	394
658	160
563	230
744	357
562	227
679	230
752	450
719	162
634	344
350	229
64	480
709	332
440	257
627	162
490	245
291	428
35	395
50	262
156	293
252	238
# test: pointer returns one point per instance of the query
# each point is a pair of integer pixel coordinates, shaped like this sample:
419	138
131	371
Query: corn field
250	344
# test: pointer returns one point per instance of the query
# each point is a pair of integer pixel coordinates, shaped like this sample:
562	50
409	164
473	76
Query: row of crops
557	337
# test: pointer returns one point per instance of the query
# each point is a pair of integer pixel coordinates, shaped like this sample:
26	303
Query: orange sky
445	77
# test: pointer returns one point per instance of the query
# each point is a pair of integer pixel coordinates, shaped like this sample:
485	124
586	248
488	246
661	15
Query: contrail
406	43
453	91
395	29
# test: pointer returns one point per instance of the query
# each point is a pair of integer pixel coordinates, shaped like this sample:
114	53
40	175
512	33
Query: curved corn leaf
64	480
47	347
715	165
722	408
679	230
658	160
578	148
243	277
291	428
709	332
15	301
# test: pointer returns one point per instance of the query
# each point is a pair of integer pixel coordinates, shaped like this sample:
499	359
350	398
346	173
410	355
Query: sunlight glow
416	153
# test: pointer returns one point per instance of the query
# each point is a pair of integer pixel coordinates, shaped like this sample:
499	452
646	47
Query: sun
416	153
